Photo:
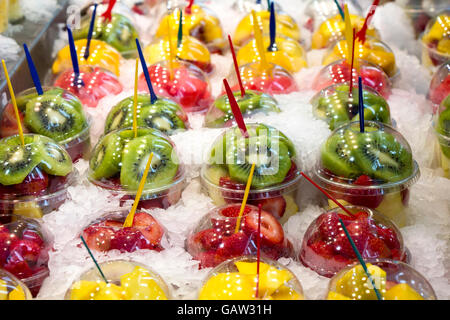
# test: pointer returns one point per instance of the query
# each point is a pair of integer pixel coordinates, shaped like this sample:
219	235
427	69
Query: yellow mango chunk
286	293
110	292
439	29
228	286
356	285
444	46
336	296
139	285
3	290
402	291
85	290
250	268
272	279
17	294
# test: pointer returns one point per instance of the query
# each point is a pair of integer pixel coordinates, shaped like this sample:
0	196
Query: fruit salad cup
186	84
333	28
436	41
374	168
24	247
440	85
339	72
275	178
127	280
442	130
336	106
237	279
56	114
318	11
275	80
373	51
190	50
215	239
119	159
394	280
12	288
101	55
286	26
220	115
199	22
164	115
34	177
108	233
287	53
91	85
326	249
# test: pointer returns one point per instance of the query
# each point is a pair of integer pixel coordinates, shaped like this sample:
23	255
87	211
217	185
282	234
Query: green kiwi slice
54	159
135	156
273	133
159	117
22	100
106	157
443	126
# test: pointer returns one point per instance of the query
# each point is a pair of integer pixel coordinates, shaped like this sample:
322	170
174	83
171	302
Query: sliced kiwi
120	33
334	110
121	115
277	135
17	161
22	100
54	159
107	157
159	117
135	156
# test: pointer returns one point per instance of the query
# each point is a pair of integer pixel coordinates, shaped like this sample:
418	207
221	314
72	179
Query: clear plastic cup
75	140
246	6
287	53
338	72
336	106
373	50
318	11
442	131
326	249
220	114
436	41
190	50
237	279
108	233
276	176
91	85
394	280
25	246
119	152
276	80
188	85
12	288
127	280
164	115
440	85
41	186
374	169
214	239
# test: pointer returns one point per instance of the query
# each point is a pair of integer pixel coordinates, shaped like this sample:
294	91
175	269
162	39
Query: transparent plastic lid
394	280
326	249
286	26
127	280
164	115
57	114
12	288
101	55
436	36
91	85
339	72
119	159
236	279
214	239
380	153
319	11
442	124
337	106
373	51
220	115
440	84
287	53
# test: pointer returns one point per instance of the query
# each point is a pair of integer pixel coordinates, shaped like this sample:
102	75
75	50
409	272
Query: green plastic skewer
95	261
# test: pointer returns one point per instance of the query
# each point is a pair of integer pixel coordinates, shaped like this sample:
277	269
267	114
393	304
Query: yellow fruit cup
12	288
319	11
436	41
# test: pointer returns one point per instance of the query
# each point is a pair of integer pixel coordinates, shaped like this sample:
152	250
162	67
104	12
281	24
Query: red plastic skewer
350	91
258	250
189	7
235	109
107	14
361	35
236	67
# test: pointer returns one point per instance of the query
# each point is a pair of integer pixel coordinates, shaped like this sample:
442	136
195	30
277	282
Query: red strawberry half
368	198
276	206
98	238
271	230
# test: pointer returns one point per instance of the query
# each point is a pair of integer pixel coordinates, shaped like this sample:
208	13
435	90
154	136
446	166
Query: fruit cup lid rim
14	279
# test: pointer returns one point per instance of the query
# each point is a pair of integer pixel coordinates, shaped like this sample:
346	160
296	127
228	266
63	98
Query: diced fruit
272	279
7	240
329	225
376	248
129	239
25	250
33	236
356	285
110	292
235	286
17	294
233	211
29	209
234	245
208	259
35	183
389	237
271	230
336	296
98	238
250	268
209	238
402	291
85	290
3	290
149	227
139	285
368	198
286	293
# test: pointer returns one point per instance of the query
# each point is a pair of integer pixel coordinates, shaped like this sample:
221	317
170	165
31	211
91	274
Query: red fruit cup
24	247
215	239
12	288
108	233
326	249
440	85
338	72
92	84
276	80
394	280
188	85
435	48
76	142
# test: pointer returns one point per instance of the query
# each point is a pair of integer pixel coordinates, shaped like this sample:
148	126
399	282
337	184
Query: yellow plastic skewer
135	98
259	43
244	201
171	55
349	38
14	102
130	218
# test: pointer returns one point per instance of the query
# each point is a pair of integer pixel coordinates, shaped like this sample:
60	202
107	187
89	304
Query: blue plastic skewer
33	72
153	96
91	31
272	27
361	105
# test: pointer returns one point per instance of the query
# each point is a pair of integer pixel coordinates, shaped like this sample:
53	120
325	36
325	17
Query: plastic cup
435	41
374	169
318	11
236	279
220	114
157	193
76	142
326	249
127	280
214	239
188	85
246	6
336	106
12	288
440	85
394	280
25	246
338	72
276	176
442	132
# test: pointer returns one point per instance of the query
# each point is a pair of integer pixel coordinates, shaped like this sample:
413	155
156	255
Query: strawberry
359	232
375	79
208	259
20	269
110	223
8	122
376	248
322	248
389	237
271	230
276	205
234	245
364	197
342	246
233	210
225	226
33	236
329	226
151	204
35	183
25	250
7	240
98	238
229	195
210	239
149	227
129	239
